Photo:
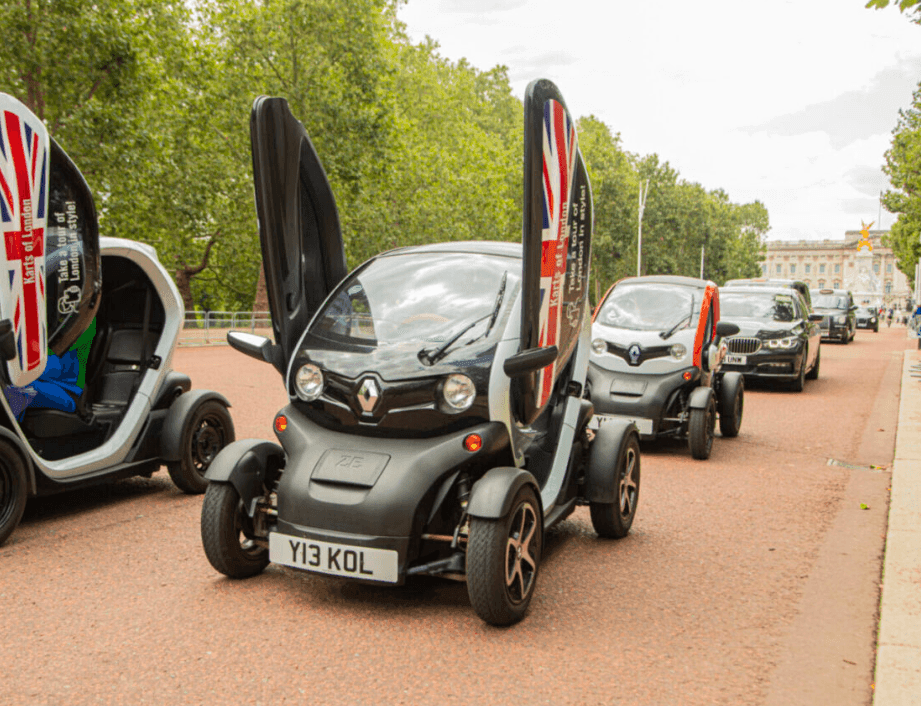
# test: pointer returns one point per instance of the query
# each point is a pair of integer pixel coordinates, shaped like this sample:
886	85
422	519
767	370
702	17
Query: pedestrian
889	317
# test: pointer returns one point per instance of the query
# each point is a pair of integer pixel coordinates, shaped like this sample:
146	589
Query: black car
868	317
839	313
778	337
796	284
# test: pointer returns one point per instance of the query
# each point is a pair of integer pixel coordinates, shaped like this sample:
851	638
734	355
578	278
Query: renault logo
368	394
634	353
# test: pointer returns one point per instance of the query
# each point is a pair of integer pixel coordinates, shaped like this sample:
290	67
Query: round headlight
599	346
308	382
678	351
458	392
841	319
872	319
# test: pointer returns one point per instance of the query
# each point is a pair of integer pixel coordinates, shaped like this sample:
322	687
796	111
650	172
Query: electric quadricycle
436	422
88	327
657	350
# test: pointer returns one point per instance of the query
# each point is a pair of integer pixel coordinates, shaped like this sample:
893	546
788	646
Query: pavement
898	651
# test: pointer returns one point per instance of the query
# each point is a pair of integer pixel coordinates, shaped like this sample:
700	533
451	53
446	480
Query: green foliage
903	167
151	98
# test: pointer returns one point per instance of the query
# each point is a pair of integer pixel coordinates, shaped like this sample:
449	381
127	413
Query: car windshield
650	306
757	305
829	301
417	297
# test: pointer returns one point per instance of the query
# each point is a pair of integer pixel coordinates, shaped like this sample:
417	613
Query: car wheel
799	382
503	557
701	426
13	489
732	403
207	430
613	520
227	534
814	373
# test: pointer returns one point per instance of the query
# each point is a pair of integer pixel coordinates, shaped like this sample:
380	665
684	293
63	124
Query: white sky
789	102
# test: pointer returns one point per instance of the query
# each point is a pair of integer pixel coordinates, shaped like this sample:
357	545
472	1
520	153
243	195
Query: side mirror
725	328
258	347
7	340
816	317
529	361
853	308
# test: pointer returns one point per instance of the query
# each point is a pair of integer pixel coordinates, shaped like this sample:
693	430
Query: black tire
207	430
503	560
800	381
701	426
613	520
814	373
731	406
227	534
13	489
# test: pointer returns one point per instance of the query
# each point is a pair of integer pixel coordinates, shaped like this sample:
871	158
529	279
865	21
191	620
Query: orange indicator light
281	423
474	442
687	375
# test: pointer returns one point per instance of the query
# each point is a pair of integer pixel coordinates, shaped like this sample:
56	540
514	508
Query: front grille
743	345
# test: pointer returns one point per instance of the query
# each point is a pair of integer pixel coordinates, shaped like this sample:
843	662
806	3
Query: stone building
868	271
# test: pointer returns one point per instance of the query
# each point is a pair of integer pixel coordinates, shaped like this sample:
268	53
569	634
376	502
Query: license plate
643	425
367	563
735	359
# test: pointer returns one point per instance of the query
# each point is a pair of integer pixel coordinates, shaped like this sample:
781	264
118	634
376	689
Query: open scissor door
556	236
302	249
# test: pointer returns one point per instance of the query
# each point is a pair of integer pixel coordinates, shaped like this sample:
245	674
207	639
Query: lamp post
644	192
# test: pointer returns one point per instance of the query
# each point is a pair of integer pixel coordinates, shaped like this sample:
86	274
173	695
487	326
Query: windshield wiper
668	334
432	357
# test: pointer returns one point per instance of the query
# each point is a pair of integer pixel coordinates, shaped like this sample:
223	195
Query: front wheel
701	426
227	534
613	520
503	557
207	430
13	489
814	373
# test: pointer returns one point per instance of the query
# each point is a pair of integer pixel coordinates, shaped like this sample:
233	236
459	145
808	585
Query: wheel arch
179	412
700	397
492	495
610	441
244	465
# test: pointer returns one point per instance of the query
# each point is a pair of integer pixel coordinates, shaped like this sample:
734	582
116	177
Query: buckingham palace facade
869	272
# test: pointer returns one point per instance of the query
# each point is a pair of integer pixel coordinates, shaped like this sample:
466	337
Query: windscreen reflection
417	297
766	307
650	306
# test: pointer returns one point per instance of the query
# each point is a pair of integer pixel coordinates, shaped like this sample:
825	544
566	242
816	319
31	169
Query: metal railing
200	329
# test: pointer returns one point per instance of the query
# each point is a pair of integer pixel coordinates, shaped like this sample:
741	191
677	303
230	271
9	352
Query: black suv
839	313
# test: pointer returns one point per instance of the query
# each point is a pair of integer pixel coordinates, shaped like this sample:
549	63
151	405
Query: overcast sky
789	102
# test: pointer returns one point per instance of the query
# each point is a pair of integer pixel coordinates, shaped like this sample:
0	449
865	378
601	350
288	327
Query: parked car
839	314
657	351
103	402
796	284
868	317
778	339
436	424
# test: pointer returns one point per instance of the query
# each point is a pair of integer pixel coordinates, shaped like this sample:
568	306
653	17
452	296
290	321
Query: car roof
763	282
480	247
667	279
759	289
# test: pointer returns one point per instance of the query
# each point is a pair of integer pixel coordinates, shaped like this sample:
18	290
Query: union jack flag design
24	175
560	150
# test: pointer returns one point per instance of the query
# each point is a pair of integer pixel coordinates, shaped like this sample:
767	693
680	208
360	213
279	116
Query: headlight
841	319
599	346
458	392
789	342
678	351
308	382
872	319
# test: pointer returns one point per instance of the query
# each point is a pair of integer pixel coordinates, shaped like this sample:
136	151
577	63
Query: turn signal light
281	423
687	375
474	442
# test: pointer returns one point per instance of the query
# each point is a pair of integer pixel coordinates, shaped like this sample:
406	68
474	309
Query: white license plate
643	425
367	563
734	359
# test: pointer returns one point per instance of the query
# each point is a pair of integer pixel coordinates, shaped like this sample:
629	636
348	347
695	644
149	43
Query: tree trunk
185	273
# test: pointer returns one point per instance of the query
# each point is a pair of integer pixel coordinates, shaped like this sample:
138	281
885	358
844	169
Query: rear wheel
207	430
701	426
13	489
814	373
503	557
613	520
732	402
227	534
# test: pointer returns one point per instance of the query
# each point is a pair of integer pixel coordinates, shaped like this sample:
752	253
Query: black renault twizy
436	422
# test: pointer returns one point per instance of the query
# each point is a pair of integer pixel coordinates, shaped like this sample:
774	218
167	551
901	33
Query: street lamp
644	192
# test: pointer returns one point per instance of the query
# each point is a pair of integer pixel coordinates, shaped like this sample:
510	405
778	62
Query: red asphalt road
751	578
